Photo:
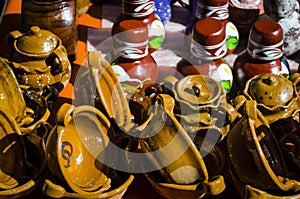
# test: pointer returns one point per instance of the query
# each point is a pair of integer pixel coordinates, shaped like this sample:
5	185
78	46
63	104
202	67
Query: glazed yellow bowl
73	146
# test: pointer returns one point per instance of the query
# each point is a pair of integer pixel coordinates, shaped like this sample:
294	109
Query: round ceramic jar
264	53
143	10
276	96
207	51
133	63
201	106
38	58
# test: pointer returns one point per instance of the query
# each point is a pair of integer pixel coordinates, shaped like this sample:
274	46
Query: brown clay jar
57	16
217	9
264	53
132	63
207	51
143	10
243	13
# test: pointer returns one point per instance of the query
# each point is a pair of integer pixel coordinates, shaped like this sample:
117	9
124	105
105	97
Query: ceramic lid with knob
196	89
37	41
271	90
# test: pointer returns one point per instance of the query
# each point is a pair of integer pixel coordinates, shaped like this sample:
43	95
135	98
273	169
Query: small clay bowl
73	146
23	159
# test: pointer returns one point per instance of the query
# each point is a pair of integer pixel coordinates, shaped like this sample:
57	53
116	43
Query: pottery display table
93	30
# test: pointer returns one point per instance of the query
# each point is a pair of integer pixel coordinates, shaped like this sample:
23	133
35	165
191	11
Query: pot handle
17	190
64	65
12	36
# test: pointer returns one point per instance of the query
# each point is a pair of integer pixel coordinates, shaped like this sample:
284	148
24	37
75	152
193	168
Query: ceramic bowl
23	159
215	163
99	86
12	99
253	147
73	146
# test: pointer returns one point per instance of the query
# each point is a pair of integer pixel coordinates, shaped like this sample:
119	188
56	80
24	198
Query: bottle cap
131	39
265	40
209	39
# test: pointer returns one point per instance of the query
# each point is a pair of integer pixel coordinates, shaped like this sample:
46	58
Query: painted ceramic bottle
207	51
143	10
243	13
132	63
264	53
217	9
57	16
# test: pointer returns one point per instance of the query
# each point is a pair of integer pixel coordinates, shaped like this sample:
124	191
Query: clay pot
23	159
57	16
70	155
73	148
178	161
276	96
201	104
254	147
38	58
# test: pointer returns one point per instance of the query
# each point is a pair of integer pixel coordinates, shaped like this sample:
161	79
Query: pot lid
37	41
197	89
271	90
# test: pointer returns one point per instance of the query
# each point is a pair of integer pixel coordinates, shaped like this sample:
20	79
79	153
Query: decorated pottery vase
243	13
133	64
143	10
269	156
217	9
207	51
57	16
201	106
286	13
39	58
264	53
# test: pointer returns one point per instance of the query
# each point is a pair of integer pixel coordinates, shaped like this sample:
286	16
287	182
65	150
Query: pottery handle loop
171	80
216	185
231	113
62	56
238	102
14	191
64	114
12	36
295	78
